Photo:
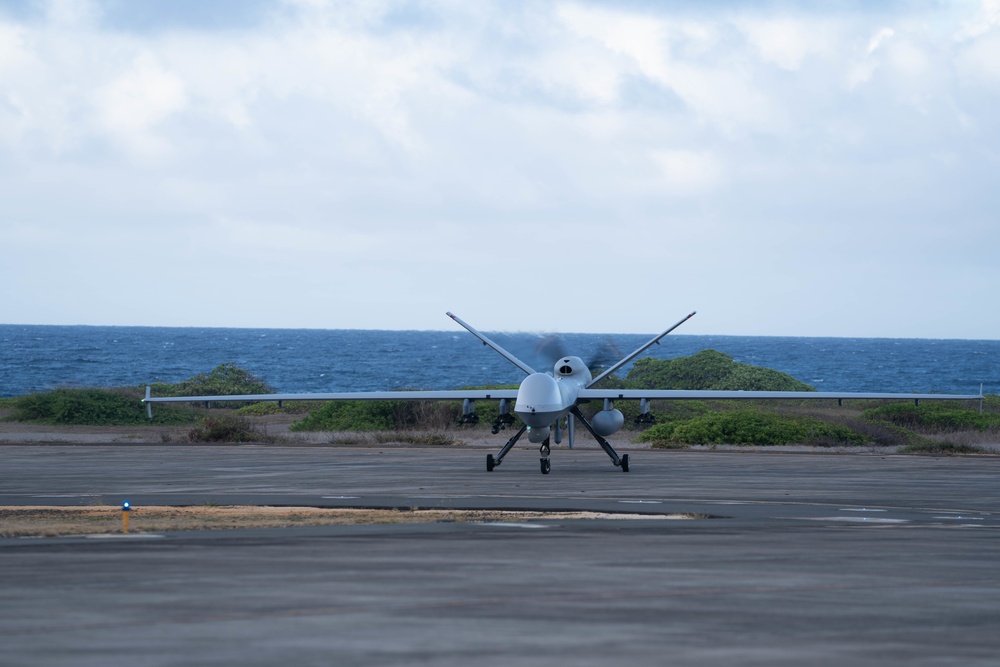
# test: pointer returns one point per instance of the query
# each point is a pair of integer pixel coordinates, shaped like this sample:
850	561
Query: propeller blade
551	349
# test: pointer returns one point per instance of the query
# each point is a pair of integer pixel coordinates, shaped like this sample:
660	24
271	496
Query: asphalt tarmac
798	559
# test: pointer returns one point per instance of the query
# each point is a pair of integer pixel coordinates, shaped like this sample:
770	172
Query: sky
791	169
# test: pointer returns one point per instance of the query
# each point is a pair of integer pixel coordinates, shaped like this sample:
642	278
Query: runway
806	558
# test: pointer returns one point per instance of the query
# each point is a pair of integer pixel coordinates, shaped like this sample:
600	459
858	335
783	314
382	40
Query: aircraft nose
538	400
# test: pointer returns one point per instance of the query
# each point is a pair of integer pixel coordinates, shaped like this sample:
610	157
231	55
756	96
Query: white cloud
978	61
642	38
672	54
13	49
458	153
71	13
987	20
131	106
879	38
688	173
785	42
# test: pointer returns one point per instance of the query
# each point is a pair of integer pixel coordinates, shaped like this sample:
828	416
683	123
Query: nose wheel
545	466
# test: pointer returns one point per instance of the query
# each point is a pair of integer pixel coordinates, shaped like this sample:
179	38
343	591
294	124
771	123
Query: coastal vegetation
934	417
708	369
393	415
227	428
750	427
930	427
123	407
93	407
224	380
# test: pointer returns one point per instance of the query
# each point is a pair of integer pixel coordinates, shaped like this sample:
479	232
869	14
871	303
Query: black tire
625	463
490	463
545	466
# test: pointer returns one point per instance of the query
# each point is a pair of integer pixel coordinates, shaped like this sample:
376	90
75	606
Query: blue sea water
38	358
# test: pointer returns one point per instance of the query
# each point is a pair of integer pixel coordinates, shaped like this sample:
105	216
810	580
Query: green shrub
709	369
224	380
933	417
350	416
272	408
394	415
94	407
225	428
746	427
260	409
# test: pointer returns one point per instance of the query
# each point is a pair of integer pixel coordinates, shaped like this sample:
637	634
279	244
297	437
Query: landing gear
492	462
545	449
619	461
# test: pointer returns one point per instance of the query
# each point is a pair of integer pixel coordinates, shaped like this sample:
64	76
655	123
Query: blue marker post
126	508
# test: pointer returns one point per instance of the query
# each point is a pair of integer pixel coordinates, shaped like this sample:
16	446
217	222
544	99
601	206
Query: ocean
38	358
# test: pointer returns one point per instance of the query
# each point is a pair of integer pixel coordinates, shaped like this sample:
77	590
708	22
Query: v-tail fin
486	341
638	352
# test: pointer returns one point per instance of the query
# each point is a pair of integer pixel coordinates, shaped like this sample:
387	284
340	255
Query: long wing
702	394
448	395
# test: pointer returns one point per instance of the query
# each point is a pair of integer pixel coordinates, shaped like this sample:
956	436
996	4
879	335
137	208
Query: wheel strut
492	462
619	461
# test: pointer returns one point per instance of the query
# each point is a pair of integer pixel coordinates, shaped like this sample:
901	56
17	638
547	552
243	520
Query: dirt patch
39	521
274	429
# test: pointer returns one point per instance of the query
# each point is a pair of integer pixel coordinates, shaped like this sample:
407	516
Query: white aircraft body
544	401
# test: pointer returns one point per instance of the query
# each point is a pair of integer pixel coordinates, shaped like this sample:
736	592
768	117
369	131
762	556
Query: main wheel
625	463
490	463
545	466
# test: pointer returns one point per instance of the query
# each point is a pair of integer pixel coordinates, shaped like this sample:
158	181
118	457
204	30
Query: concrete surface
809	559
